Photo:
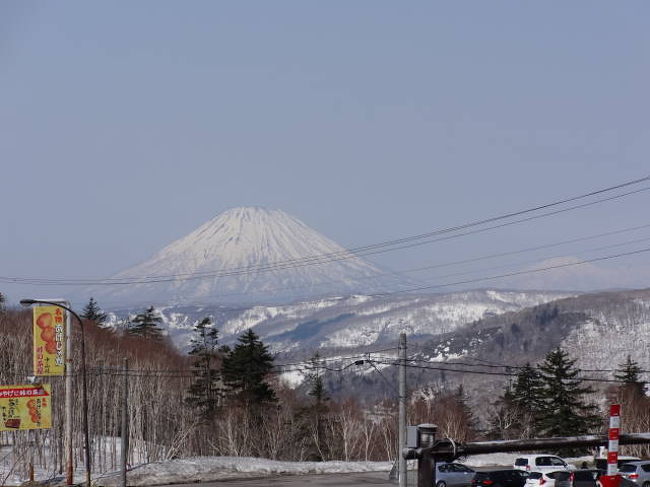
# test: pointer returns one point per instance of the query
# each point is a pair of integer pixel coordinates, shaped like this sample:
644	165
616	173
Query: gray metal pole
68	400
125	422
402	409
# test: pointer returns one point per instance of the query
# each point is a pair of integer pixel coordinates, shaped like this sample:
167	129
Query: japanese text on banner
49	340
25	407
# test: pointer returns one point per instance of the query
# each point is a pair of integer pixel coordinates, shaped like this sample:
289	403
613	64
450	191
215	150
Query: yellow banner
25	407
49	340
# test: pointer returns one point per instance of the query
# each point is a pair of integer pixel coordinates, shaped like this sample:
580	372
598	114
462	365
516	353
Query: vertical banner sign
25	407
49	340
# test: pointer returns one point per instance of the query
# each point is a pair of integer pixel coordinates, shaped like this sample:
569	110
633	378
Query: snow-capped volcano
246	255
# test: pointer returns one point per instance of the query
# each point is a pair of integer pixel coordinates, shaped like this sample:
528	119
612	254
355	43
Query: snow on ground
204	469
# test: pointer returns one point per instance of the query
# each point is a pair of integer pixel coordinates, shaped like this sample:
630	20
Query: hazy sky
125	125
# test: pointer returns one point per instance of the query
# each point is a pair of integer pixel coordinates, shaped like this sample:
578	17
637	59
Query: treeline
552	399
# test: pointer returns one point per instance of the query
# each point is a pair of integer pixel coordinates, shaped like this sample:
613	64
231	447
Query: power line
502	374
475	259
516	273
345	254
506	366
162	374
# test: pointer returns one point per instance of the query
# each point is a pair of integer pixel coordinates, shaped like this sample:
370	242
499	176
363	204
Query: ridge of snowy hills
446	330
247	255
346	322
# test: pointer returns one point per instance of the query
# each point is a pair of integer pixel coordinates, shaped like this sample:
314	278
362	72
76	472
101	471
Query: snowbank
204	469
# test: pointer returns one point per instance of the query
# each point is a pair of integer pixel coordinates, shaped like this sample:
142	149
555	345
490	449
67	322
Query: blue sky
126	125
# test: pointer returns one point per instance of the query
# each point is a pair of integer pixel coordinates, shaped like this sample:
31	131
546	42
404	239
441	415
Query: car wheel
646	484
444	484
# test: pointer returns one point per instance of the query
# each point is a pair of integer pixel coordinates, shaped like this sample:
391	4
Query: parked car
637	472
601	463
545	479
579	478
500	478
541	463
453	475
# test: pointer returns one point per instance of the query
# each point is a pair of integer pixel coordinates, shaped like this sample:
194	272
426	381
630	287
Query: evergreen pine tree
93	312
3	302
315	380
629	373
245	370
145	325
519	408
564	411
204	393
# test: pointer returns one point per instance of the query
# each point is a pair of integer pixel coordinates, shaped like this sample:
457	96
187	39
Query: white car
541	463
542	479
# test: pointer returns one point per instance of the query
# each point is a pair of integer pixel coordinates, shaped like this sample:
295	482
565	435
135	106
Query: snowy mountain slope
247	255
350	322
598	330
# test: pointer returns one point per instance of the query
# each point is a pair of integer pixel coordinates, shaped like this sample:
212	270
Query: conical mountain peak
244	255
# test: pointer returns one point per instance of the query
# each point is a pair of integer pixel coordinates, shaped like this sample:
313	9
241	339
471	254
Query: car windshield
520	462
627	468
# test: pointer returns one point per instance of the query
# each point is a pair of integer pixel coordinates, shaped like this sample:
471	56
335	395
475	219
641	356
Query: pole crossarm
446	450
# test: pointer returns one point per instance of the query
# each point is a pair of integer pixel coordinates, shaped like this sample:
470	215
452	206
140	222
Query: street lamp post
84	384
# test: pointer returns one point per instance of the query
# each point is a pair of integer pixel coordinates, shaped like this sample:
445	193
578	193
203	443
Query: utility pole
69	473
125	422
402	409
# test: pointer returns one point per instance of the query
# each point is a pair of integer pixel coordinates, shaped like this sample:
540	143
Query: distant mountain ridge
248	255
349	322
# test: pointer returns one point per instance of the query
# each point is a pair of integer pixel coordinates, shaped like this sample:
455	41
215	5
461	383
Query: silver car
638	472
453	475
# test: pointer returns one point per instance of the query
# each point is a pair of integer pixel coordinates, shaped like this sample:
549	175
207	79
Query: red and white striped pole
612	479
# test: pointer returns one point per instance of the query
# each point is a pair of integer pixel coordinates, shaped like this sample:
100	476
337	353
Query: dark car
584	478
587	478
500	478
